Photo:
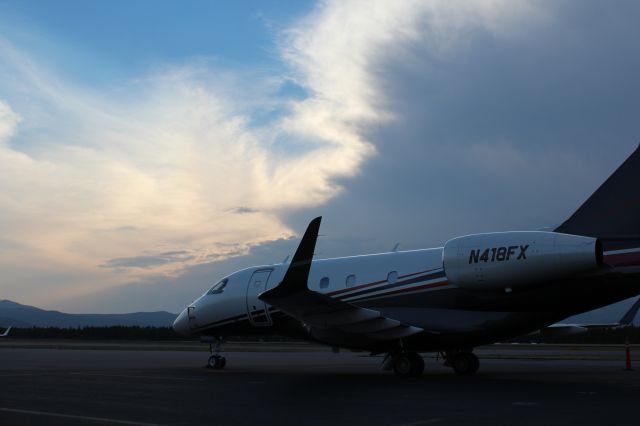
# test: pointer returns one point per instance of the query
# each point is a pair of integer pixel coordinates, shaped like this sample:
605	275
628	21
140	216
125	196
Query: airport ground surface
288	384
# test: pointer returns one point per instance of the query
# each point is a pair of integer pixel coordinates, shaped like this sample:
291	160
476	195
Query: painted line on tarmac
73	416
421	422
36	373
524	403
186	379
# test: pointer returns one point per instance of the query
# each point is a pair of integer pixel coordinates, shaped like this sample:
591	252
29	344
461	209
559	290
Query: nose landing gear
216	360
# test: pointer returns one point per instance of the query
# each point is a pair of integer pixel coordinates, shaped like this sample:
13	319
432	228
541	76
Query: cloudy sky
146	149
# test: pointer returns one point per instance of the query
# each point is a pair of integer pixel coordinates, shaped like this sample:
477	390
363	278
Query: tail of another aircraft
628	317
612	213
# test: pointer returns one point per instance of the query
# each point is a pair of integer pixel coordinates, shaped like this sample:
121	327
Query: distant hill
5	322
17	315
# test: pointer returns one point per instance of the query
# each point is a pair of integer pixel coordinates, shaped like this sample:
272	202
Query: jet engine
508	260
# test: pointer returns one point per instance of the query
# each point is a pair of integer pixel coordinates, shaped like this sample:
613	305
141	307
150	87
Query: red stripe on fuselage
623	259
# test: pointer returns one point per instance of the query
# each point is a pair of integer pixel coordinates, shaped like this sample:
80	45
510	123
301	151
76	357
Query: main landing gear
410	364
216	360
462	362
404	363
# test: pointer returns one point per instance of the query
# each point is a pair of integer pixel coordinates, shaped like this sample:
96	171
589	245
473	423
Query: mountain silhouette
18	315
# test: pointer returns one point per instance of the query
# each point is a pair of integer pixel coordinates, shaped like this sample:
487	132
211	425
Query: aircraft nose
181	324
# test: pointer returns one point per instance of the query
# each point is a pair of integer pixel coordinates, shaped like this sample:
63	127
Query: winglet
631	313
6	332
295	279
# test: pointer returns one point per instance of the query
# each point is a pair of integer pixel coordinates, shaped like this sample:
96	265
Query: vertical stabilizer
612	213
628	317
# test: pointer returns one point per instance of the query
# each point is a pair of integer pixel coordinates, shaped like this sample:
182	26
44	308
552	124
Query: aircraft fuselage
411	287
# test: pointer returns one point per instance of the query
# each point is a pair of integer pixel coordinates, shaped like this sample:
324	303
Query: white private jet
6	332
477	289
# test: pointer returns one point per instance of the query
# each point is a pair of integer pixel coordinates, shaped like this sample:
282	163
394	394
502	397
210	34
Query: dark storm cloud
502	132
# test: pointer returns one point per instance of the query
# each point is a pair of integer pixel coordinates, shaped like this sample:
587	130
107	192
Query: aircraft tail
612	213
628	317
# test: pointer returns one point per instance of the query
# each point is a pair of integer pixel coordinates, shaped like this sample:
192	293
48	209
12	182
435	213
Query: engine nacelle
515	259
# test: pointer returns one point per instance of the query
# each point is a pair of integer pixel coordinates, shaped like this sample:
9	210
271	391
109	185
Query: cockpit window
219	287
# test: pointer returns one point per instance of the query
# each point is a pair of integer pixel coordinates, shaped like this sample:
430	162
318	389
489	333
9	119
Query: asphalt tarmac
142	387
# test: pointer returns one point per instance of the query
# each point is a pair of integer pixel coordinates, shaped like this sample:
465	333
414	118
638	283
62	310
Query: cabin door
191	313
256	308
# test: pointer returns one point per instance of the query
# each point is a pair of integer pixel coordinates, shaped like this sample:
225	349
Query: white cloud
162	164
8	122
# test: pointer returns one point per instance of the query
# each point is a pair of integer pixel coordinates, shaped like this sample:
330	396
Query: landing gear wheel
408	364
216	361
465	363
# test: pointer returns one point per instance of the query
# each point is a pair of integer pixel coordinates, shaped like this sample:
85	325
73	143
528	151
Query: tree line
610	336
116	332
594	336
119	332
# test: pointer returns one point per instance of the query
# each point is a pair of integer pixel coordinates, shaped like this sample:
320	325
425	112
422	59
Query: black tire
408	364
418	364
212	362
465	363
216	361
222	361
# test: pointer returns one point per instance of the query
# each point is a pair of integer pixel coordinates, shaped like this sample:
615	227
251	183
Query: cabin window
219	287
324	282
392	277
350	281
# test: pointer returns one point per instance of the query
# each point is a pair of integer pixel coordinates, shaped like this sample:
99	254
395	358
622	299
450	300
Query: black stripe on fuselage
237	318
241	321
220	322
439	274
